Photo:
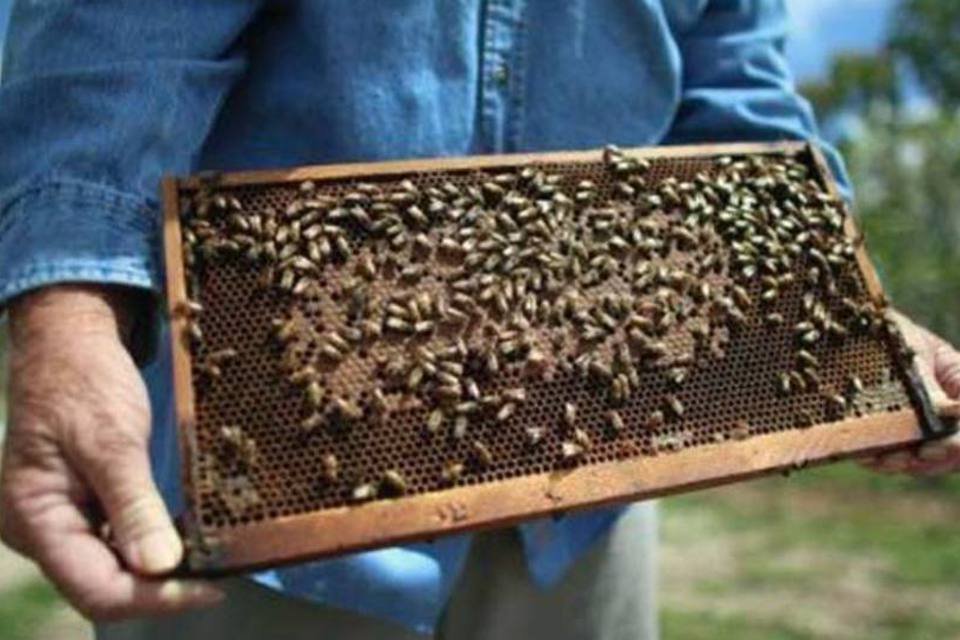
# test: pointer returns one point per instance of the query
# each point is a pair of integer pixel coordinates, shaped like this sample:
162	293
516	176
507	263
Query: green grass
23	608
850	476
853	520
838	548
687	625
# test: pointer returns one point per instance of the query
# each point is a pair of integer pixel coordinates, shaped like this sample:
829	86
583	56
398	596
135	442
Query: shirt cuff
72	231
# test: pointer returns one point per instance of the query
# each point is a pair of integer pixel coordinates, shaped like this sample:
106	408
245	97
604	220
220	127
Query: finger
896	462
91	578
947	408
947	367
119	473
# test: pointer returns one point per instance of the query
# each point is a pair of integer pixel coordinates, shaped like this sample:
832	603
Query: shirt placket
502	74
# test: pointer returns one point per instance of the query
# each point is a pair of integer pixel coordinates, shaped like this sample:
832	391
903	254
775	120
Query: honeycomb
519	320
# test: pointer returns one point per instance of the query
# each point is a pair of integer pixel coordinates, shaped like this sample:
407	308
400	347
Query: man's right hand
79	422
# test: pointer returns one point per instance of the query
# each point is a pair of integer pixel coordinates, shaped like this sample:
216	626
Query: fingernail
895	461
934	452
202	593
949	408
192	591
158	552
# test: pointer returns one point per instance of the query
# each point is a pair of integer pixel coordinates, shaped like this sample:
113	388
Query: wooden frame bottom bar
320	534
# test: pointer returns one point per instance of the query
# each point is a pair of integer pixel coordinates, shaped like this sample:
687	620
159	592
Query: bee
506	411
460	425
798	382
434	421
347	410
515	394
570	414
423	326
414	378
837	404
492	362
615	420
741	430
285	330
398	324
571	450
741	297
328	350
242	445
363	492
314	393
331	467
677	376
394	481
448	379
311	422
467	407
656	419
367	268
449	393
807	359
482	453
774	319
784	384
674	405
194	332
378	400
854	385
188	309
534	435
302	376
451	472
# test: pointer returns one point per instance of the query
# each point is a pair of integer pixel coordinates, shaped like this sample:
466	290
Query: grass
835	552
709	626
25	607
848	514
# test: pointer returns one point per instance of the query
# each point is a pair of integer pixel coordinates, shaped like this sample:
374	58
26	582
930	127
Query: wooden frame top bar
465	163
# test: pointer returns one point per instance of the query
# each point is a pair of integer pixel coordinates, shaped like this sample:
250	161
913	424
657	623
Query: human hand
938	363
79	423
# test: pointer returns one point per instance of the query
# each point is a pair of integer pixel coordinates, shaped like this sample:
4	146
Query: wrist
74	309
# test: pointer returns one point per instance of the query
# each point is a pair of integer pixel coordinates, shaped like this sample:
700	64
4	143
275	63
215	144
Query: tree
926	34
905	166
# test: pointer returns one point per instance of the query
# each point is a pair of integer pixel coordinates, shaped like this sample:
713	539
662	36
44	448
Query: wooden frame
487	505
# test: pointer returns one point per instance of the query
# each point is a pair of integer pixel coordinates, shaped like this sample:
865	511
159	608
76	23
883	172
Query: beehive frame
628	470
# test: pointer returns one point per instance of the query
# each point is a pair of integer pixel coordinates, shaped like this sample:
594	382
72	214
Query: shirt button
501	75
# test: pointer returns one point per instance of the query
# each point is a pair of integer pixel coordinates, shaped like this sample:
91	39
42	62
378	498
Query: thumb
946	367
119	474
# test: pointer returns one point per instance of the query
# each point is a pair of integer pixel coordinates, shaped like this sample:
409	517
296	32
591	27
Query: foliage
907	182
26	607
927	34
905	164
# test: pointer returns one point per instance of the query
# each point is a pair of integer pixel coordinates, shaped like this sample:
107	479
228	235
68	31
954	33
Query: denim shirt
100	99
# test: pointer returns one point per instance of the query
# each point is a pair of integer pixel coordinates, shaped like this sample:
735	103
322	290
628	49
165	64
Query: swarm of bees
532	273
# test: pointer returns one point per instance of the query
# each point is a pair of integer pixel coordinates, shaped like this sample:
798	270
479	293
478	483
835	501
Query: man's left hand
939	365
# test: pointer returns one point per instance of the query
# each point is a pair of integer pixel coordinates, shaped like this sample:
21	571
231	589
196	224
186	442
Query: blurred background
835	552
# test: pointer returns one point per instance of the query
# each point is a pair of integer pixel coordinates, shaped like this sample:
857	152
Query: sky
820	27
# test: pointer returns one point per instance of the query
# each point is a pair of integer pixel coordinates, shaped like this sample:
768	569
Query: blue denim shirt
100	99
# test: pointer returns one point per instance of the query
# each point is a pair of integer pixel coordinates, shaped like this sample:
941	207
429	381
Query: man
101	99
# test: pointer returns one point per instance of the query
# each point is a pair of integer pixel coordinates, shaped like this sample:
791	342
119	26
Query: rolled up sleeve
98	101
737	84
